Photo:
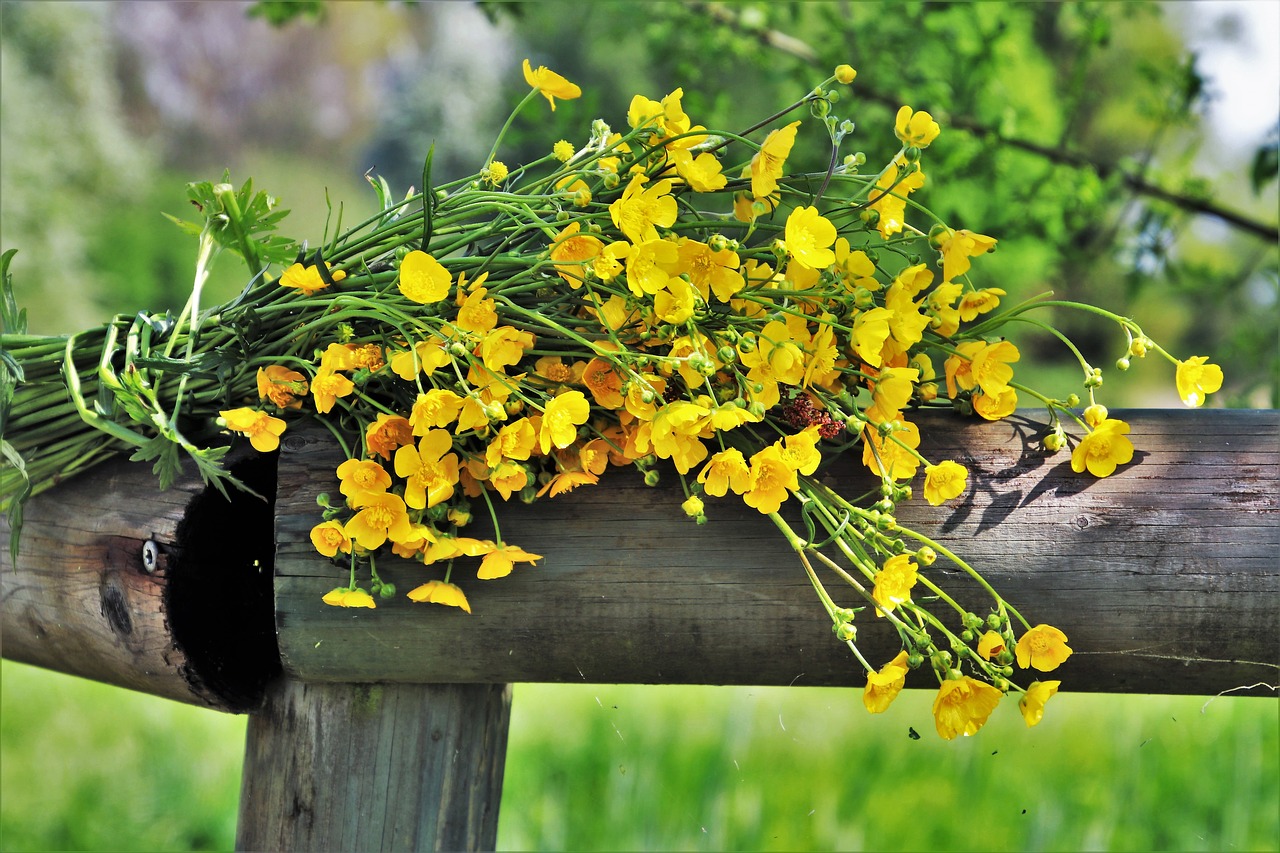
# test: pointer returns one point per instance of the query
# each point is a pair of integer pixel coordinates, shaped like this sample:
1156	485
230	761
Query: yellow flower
430	355
676	302
361	478
693	506
845	74
561	418
516	440
870	331
504	346
892	204
387	433
423	279
1103	449
429	473
439	407
499	562
994	408
711	270
957	247
572	251
977	302
990	644
1032	703
886	457
439	592
567	481
944	481
963	705
604	383
990	368
508	478
342	597
562	150
894	582
308	278
262	430
494	173
476	313
1095	414
883	686
800	451
329	538
1044	647
281	386
1196	379
809	235
550	84
766	166
380	518
650	266
891	392
639	212
724	471
915	128
771	480
702	173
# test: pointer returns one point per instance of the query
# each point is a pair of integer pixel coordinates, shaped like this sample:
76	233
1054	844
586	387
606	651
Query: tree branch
798	49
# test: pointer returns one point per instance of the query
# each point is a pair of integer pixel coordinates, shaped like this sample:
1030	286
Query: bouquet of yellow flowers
661	292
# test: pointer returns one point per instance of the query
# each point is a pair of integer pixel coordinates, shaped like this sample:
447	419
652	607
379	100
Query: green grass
598	767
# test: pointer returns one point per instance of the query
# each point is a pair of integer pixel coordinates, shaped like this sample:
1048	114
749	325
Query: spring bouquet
658	295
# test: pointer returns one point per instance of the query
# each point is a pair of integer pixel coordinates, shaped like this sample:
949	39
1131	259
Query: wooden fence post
356	767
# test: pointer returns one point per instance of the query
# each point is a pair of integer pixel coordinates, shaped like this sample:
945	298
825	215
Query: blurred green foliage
599	767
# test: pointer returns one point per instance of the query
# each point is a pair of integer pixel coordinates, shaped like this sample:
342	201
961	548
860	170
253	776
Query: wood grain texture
121	582
355	767
1164	576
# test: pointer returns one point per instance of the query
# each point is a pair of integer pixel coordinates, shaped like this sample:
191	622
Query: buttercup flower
766	165
884	686
1104	448
423	279
1044	647
809	235
329	538
308	278
550	84
894	582
990	644
1196	379
343	597
915	128
944	481
963	705
639	212
499	562
1032	703
262	430
439	592
281	386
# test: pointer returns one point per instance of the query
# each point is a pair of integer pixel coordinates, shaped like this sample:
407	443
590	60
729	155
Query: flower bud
727	354
912	154
1072	400
845	632
937	234
1122	364
1095	414
387	590
869	217
651	477
1138	347
926	556
693	506
845	74
1055	441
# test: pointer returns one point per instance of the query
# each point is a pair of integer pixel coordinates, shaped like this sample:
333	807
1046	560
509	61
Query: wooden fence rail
387	727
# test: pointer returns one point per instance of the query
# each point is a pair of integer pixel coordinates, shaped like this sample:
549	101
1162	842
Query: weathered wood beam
402	767
1164	576
166	592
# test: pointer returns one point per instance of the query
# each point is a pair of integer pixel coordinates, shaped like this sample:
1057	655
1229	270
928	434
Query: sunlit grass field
599	767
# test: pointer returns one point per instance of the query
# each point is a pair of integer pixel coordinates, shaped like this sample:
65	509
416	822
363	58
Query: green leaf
12	321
